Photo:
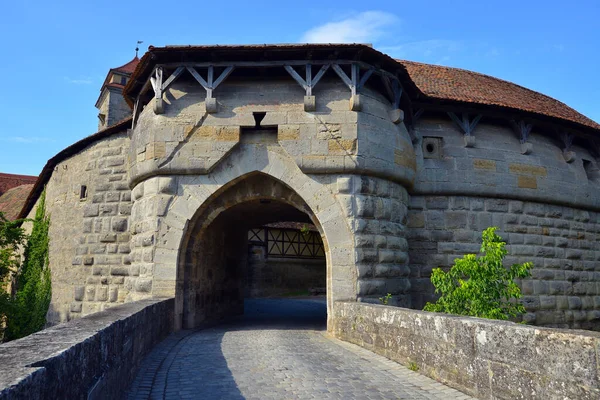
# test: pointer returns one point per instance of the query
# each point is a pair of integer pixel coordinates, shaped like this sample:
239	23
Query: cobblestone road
278	350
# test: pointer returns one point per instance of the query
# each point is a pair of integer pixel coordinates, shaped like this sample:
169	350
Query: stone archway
165	208
213	254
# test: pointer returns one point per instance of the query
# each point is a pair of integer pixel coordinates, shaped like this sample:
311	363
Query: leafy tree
12	238
481	286
33	284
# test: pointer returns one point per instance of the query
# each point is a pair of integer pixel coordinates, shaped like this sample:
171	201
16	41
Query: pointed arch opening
254	237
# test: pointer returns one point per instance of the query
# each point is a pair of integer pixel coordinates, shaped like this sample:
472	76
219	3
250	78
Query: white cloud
423	49
81	81
365	27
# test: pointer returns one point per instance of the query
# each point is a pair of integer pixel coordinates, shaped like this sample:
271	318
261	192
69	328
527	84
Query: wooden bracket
567	139
210	84
307	84
523	129
157	83
353	82
467	126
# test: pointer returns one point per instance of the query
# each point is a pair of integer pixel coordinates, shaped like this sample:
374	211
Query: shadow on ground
190	364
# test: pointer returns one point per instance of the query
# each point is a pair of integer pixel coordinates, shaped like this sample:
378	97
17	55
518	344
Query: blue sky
55	55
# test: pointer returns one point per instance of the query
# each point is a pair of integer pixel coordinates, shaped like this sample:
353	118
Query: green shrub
481	286
32	281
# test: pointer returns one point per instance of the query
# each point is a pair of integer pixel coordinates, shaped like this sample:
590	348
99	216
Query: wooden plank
459	122
296	76
172	78
197	76
338	70
223	76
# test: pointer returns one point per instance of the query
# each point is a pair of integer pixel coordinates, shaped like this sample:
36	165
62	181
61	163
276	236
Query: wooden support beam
567	139
228	70
338	70
397	90
296	76
308	79
365	77
522	128
197	76
157	83
172	78
418	114
464	123
320	74
355	76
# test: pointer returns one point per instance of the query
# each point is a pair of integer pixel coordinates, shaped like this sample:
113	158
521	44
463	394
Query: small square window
432	147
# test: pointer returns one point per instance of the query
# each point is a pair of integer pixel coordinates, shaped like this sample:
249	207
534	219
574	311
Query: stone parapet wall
484	358
94	357
562	242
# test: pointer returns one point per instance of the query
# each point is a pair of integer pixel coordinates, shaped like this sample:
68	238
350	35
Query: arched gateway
398	165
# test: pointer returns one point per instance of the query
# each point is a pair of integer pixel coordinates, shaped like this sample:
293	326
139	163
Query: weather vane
137	48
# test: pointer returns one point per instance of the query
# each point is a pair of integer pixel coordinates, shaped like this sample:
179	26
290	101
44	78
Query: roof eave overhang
262	53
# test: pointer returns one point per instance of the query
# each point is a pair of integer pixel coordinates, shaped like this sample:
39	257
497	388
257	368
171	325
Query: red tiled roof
9	181
446	83
12	201
123	69
129	67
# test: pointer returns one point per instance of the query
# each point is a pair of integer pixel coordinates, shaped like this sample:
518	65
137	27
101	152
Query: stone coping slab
88	357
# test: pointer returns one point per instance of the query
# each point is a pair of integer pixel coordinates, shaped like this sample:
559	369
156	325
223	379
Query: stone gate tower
399	166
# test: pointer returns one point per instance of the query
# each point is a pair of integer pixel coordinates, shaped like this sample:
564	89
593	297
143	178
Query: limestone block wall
495	167
377	210
545	208
333	139
562	242
89	238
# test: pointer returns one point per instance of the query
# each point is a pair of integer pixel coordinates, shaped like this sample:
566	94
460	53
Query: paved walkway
279	350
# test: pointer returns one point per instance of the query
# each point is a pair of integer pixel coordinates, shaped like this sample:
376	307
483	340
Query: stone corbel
467	126
523	129
394	90
568	154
